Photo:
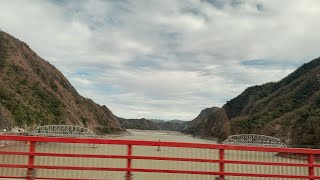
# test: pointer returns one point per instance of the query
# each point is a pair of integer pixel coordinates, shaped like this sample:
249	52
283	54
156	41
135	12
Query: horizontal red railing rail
220	161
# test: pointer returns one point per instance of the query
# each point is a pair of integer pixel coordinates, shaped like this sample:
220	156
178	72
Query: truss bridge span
62	131
254	140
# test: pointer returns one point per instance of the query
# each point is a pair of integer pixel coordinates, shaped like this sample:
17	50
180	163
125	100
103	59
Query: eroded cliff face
33	92
288	109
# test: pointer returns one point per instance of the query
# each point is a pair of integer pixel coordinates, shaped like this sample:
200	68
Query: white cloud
81	81
167	59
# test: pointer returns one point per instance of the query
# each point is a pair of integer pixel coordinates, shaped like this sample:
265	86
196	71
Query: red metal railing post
31	171
129	153
311	168
221	167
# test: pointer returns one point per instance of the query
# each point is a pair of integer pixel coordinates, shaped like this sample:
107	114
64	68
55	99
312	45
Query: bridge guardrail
91	158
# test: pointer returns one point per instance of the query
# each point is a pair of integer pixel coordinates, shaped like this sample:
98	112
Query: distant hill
157	120
177	121
173	125
288	109
33	92
142	123
173	121
152	124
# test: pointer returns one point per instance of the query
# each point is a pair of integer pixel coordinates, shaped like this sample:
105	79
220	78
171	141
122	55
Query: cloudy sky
167	59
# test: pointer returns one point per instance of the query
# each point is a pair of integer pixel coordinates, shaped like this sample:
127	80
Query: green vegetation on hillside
3	50
38	107
307	128
33	92
260	108
235	106
288	109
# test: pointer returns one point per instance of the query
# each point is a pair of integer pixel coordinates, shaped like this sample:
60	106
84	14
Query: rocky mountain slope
288	109
196	126
33	92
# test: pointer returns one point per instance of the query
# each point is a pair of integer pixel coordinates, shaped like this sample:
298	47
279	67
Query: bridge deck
84	158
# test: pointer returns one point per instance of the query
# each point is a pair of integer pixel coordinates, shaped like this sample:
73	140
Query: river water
163	136
144	151
209	154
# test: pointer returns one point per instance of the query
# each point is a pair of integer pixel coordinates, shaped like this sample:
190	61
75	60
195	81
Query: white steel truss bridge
62	131
254	140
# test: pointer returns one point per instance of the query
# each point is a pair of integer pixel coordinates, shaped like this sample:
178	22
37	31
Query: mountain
288	109
157	120
177	121
33	92
173	125
142	123
152	124
173	121
196	126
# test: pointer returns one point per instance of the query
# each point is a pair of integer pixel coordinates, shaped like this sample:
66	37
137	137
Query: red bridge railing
28	157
